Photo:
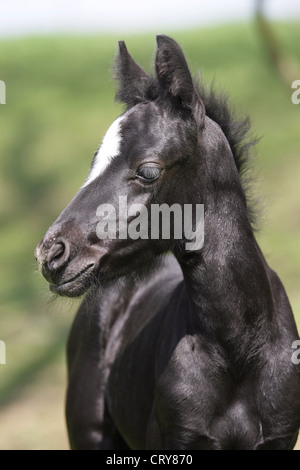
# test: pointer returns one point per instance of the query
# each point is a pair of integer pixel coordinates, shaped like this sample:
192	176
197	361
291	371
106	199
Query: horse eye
148	173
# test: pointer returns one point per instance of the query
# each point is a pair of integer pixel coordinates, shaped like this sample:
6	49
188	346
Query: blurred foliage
59	105
284	65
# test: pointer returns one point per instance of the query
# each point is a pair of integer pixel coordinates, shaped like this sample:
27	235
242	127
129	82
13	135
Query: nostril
57	255
57	251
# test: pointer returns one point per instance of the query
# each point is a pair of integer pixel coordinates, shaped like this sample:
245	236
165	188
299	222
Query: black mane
237	132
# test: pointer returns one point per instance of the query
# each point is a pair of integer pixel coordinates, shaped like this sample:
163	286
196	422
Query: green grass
59	104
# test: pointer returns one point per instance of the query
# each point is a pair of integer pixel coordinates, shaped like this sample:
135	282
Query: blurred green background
60	101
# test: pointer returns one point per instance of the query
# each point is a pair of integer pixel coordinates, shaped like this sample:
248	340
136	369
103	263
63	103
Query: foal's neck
227	280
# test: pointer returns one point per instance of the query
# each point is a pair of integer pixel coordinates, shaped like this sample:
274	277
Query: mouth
76	285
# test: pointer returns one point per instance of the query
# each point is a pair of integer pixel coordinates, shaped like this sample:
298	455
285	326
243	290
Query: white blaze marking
109	149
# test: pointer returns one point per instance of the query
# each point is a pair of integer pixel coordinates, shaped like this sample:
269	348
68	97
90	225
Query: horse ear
133	81
174	77
172	70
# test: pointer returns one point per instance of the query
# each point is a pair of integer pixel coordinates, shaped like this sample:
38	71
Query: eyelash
155	169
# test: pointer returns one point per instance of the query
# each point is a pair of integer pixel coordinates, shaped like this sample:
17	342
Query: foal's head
154	153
